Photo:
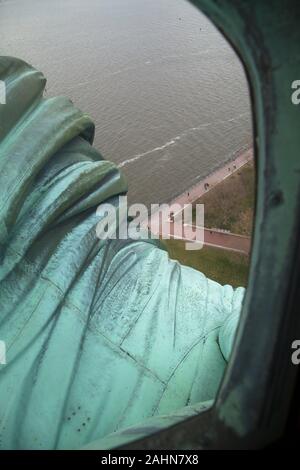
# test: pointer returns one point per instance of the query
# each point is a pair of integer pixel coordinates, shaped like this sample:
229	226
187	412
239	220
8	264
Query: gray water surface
167	93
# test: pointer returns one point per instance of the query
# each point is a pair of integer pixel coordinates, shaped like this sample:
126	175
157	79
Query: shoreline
191	195
214	178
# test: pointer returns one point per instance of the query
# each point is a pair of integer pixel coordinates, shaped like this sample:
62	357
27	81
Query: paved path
213	237
208	183
227	241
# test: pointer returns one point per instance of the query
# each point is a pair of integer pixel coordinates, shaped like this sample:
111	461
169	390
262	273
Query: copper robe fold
101	335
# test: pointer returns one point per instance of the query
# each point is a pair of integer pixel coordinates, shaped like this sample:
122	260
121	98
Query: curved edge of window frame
256	402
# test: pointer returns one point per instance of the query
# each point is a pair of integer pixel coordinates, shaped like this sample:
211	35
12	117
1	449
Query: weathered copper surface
100	335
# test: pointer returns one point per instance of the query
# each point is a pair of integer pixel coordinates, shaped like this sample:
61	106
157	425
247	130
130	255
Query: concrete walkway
211	237
214	178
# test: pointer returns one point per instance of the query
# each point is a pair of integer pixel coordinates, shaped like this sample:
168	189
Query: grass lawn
230	204
223	266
